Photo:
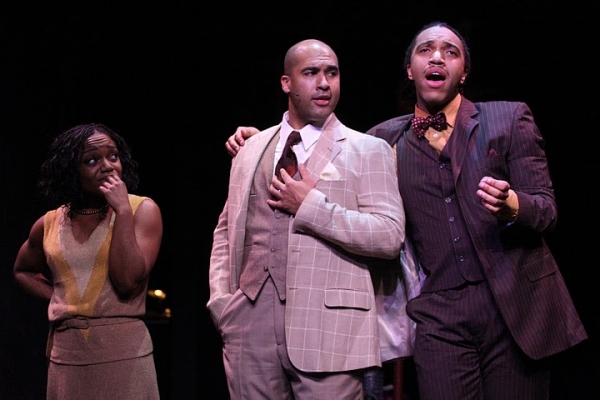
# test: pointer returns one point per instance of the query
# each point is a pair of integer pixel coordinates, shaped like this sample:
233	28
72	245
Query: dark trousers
464	351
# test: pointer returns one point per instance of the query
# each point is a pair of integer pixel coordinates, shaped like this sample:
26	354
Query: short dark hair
59	174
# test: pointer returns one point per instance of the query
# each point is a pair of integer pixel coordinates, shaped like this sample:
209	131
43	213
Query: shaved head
295	53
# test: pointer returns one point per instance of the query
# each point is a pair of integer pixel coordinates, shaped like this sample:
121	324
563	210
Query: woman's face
98	160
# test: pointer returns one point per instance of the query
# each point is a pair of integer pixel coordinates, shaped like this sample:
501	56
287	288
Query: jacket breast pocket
494	166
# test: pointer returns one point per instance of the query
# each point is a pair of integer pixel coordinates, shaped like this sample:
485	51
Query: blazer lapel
465	125
243	176
326	148
253	155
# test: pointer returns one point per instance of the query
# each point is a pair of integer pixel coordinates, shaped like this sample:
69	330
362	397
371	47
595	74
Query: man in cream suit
290	289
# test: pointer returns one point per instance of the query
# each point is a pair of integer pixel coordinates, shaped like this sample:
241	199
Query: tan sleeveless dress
98	346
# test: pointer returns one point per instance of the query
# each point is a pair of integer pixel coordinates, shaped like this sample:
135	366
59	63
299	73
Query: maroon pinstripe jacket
498	139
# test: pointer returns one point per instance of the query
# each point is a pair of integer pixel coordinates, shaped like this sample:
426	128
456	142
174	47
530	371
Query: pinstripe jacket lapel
465	125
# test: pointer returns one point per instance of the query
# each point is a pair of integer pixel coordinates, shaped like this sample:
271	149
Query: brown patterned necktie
288	158
437	122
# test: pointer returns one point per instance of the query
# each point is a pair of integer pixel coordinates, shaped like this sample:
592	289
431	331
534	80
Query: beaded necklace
104	207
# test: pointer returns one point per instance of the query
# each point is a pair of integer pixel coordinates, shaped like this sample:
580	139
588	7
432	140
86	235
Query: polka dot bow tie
437	122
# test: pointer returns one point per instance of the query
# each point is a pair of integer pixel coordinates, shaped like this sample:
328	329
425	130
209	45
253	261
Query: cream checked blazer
354	213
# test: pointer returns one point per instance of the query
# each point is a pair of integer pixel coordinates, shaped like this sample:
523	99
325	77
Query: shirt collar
309	133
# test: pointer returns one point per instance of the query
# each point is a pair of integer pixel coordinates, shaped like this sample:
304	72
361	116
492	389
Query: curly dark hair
59	175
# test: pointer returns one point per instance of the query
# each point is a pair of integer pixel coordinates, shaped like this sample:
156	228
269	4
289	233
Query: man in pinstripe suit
290	289
478	200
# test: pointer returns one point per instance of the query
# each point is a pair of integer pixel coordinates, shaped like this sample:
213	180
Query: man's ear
285	84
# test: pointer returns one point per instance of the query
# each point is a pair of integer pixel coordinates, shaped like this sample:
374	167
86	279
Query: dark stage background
177	80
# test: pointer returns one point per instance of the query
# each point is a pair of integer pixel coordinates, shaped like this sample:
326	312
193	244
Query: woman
99	246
